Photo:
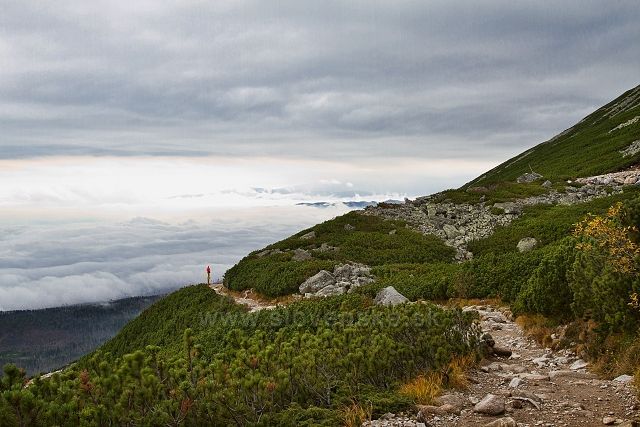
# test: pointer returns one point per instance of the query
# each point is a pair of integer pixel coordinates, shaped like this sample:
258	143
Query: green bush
603	294
546	223
372	241
547	291
297	365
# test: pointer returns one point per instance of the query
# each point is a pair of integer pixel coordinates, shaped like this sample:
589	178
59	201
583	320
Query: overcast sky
149	124
328	79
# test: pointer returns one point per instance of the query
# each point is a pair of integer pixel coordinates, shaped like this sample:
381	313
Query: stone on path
515	382
624	379
501	351
503	422
578	364
490	405
572	374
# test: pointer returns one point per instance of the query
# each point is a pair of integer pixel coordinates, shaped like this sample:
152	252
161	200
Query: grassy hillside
591	147
498	269
351	238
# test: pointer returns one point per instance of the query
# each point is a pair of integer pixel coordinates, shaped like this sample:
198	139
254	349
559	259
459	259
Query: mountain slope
591	147
196	358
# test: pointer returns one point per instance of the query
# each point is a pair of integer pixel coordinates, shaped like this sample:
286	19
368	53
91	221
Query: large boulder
389	296
451	231
301	255
527	244
624	379
528	177
510	208
330	290
314	283
309	235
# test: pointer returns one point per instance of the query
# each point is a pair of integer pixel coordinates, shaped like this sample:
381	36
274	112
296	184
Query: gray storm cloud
299	79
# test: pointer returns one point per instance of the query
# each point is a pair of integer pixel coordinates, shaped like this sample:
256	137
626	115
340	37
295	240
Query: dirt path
532	387
245	298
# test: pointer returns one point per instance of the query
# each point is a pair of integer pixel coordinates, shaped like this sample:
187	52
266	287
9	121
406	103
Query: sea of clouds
62	262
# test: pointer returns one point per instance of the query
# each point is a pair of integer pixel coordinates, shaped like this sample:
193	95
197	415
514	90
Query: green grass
586	149
545	223
495	193
370	242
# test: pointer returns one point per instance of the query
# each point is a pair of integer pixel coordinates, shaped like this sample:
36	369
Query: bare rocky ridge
628	177
458	224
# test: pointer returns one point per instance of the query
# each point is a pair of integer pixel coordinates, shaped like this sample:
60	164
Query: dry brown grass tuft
538	327
356	414
616	356
424	388
456	372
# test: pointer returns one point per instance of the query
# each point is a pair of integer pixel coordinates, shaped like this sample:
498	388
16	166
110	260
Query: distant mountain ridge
47	339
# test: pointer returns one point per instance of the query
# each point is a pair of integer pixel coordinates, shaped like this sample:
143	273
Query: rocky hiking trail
244	298
521	384
534	386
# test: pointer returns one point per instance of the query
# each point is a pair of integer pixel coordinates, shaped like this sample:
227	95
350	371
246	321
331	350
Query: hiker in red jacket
208	275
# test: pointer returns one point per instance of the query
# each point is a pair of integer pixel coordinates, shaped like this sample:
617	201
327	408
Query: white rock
527	244
316	282
490	405
309	235
389	296
578	364
515	382
624	379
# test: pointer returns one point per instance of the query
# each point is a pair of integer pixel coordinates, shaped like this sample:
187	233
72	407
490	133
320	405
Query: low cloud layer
332	80
67	263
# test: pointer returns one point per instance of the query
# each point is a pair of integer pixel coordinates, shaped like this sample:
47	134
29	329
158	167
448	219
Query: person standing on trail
208	275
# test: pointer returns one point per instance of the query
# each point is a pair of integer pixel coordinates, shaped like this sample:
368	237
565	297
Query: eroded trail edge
535	386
